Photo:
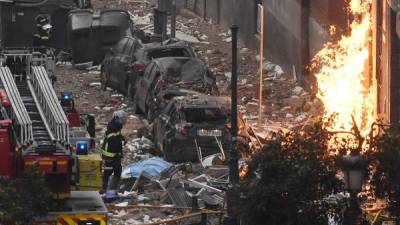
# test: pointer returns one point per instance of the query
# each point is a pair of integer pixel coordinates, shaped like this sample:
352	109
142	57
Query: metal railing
50	105
17	112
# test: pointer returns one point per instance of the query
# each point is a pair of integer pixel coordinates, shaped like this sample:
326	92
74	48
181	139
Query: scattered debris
185	37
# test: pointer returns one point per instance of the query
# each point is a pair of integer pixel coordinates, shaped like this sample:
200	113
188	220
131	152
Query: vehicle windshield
205	115
168	52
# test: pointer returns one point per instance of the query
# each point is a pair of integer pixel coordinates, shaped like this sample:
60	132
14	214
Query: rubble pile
180	192
157	191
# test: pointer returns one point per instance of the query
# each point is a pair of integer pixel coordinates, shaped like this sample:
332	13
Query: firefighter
112	149
42	37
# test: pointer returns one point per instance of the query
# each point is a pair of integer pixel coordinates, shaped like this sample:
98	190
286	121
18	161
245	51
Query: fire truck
38	128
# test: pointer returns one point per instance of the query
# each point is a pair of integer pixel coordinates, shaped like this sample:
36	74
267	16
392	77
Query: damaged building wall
387	64
295	30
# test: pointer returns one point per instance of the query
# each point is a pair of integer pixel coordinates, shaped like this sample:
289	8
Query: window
205	115
168	52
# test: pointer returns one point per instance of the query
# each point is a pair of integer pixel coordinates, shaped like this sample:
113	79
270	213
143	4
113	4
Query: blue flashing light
82	147
65	96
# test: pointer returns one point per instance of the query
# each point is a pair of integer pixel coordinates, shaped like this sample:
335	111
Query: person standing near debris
112	149
42	37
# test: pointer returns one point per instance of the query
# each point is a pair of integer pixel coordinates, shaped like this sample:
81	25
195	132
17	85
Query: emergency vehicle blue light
82	147
66	96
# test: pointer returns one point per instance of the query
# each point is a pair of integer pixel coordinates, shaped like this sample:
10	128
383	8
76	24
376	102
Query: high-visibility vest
105	150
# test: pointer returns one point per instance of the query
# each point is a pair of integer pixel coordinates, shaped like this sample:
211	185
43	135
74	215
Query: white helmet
121	115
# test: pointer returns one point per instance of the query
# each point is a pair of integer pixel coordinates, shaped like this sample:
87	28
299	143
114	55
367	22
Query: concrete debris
199	184
289	115
228	75
302	117
83	66
244	50
94	68
185	37
228	39
210	51
141	20
272	71
122	204
295	102
203	37
298	91
95	84
252	107
107	108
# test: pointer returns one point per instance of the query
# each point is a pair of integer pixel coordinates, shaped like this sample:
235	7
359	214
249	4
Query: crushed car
155	51
161	100
118	66
192	127
144	56
126	61
172	73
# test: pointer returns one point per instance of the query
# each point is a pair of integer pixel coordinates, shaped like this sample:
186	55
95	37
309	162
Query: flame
244	170
342	76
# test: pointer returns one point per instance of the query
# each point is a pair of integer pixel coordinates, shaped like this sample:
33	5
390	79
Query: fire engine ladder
52	110
18	113
34	96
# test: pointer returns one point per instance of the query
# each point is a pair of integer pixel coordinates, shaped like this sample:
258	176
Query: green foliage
288	182
23	199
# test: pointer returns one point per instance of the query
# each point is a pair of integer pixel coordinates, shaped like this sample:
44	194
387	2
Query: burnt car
128	59
172	73
155	51
193	127
117	67
144	56
161	100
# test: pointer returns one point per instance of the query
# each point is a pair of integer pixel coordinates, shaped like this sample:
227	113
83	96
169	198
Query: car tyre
166	152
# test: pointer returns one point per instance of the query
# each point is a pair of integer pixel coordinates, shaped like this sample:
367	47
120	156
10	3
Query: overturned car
192	127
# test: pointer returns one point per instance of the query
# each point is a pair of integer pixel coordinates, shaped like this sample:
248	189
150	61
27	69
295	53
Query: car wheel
103	80
166	151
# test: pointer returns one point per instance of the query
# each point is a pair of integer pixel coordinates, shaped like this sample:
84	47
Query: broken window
169	52
205	115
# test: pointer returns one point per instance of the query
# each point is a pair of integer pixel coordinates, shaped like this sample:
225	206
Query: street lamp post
233	189
354	172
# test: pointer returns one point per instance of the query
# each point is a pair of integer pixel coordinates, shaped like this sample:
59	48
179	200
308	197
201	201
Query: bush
24	198
288	182
385	155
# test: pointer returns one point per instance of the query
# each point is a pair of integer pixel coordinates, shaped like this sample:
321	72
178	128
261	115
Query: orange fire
342	76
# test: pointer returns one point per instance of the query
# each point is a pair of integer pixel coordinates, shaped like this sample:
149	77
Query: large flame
343	84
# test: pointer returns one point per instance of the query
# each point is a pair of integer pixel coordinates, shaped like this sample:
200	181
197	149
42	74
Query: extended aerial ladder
40	125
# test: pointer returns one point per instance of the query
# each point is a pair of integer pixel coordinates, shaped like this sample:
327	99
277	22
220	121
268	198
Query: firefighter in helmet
112	149
42	36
